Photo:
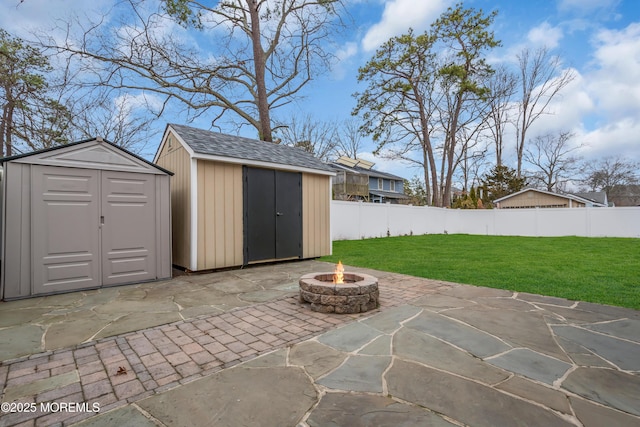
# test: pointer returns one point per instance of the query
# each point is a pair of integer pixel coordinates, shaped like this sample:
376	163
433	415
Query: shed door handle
279	214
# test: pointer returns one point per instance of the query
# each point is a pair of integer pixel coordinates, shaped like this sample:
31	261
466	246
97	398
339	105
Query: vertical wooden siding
316	239
176	159
219	215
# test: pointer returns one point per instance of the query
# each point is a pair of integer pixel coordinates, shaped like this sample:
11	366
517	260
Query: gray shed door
65	219
128	227
91	228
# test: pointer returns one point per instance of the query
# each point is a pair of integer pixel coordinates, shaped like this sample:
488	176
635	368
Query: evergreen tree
473	196
416	191
502	181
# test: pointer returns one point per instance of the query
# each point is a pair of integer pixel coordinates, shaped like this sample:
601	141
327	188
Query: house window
392	186
379	183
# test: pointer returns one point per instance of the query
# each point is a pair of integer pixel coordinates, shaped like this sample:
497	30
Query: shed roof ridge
206	142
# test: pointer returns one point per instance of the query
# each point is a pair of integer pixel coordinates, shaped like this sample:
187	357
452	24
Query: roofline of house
369	172
565	195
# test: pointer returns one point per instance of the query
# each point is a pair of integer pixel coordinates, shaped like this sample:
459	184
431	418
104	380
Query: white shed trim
194	214
267	165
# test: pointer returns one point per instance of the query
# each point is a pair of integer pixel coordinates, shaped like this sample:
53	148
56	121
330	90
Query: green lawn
601	270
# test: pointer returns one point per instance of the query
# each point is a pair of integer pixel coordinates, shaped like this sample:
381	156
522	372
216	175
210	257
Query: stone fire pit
358	293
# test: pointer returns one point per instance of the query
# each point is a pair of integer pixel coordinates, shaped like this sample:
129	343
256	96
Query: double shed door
272	214
91	228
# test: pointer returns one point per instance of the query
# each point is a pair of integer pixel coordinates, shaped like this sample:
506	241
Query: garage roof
208	144
564	196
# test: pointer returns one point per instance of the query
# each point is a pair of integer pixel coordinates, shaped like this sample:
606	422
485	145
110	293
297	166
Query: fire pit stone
358	293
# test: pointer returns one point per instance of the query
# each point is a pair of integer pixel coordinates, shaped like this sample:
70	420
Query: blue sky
598	39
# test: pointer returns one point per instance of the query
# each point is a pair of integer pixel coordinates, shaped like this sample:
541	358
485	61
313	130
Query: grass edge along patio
598	270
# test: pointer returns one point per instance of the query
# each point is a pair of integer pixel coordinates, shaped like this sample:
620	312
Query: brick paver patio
115	371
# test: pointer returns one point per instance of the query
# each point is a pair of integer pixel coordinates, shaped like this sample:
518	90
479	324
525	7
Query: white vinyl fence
358	220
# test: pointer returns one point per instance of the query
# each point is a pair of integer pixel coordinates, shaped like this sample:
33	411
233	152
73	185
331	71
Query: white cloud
23	18
614	86
347	51
544	35
343	58
602	105
615	81
399	16
567	110
617	138
127	103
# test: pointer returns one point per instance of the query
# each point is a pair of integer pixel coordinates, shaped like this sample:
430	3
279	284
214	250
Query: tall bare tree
472	160
541	79
502	85
552	157
253	56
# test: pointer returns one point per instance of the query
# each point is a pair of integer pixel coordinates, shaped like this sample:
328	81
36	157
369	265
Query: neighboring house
534	198
599	197
356	180
238	201
625	195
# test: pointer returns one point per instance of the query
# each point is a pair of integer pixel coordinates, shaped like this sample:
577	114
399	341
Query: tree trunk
429	168
520	145
6	130
2	129
450	154
427	181
499	148
9	131
259	62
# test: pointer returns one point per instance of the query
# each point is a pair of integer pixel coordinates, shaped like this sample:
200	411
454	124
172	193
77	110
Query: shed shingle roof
222	145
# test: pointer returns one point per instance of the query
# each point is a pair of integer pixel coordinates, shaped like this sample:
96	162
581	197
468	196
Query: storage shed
237	201
80	216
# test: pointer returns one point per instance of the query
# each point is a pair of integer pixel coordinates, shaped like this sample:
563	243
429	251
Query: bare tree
255	57
314	136
552	157
467	115
502	85
541	79
349	138
473	161
122	120
607	173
